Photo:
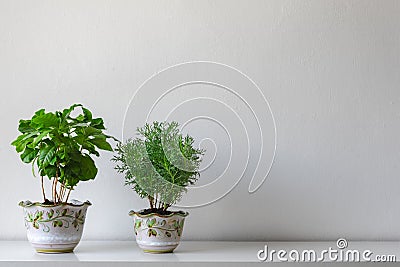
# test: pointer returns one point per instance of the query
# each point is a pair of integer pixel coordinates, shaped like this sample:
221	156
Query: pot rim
73	203
137	213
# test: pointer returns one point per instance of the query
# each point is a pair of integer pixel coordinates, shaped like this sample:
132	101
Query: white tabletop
122	253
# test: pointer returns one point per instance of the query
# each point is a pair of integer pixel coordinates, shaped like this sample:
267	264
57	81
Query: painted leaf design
151	222
154	232
138	224
50	214
57	223
38	215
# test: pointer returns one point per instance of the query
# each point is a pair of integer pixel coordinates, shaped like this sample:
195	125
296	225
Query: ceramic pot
157	233
54	228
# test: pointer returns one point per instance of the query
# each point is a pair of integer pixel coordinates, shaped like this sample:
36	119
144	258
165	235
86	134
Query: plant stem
44	195
56	199
151	201
166	206
54	190
62	192
69	192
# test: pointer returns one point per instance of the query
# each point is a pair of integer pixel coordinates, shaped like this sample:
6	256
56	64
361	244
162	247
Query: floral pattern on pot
59	218
158	233
54	228
161	228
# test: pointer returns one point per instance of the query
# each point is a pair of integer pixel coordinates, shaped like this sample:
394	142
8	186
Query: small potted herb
159	165
60	147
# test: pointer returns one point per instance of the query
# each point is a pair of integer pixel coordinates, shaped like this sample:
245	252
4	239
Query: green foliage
61	146
159	164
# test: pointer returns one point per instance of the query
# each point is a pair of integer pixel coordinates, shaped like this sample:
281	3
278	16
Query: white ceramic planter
54	228
158	233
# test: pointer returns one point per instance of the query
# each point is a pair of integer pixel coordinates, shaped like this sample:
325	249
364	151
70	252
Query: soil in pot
159	212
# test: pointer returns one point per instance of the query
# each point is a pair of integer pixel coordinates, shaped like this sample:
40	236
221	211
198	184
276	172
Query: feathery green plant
159	164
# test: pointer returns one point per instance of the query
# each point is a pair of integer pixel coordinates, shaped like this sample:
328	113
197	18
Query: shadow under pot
156	233
54	228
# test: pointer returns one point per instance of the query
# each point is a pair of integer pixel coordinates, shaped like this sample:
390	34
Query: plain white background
330	70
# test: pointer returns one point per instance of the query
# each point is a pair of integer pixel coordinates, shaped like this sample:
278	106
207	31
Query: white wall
330	70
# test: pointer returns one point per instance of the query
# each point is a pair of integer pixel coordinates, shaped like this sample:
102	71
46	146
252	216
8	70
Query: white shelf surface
189	253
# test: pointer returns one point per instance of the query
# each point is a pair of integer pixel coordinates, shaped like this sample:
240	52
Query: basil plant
61	147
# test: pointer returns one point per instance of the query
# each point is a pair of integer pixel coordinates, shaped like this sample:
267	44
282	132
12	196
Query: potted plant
61	147
159	165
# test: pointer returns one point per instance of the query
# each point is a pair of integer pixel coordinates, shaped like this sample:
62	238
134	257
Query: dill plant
159	164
